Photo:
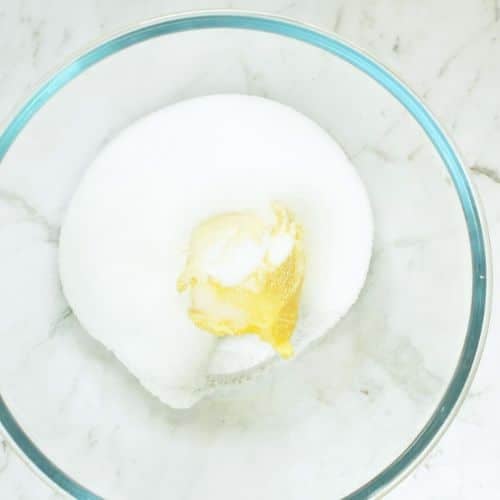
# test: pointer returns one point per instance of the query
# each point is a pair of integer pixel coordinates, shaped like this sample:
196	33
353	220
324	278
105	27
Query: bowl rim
330	42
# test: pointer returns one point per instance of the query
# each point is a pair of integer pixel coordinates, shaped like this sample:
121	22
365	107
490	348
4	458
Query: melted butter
245	276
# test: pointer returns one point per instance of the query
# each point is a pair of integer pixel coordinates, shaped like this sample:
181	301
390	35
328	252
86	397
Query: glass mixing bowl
348	418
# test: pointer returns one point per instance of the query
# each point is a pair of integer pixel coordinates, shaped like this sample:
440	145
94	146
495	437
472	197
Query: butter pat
245	271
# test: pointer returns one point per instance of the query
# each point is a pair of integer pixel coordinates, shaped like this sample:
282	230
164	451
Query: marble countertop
449	53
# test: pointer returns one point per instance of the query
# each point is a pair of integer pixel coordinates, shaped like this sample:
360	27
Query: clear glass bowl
348	418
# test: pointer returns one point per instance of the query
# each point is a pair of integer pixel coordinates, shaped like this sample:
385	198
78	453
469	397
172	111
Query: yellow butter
245	276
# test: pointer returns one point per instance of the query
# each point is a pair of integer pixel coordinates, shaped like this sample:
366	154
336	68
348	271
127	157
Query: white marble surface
448	52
